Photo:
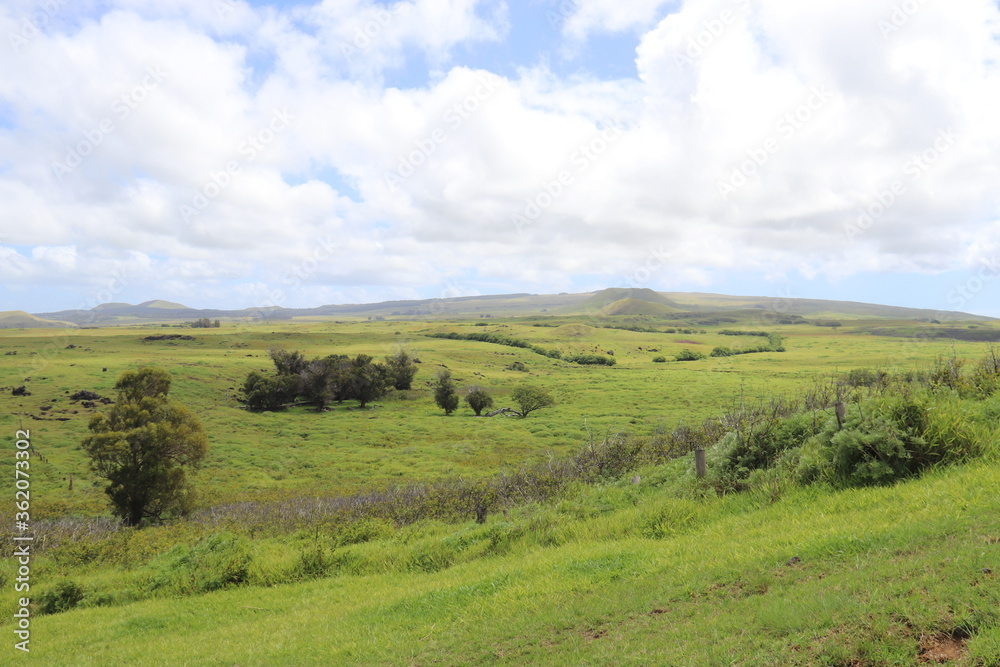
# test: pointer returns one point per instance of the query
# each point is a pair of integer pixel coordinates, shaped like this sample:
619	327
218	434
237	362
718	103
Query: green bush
214	562
64	596
688	355
659	360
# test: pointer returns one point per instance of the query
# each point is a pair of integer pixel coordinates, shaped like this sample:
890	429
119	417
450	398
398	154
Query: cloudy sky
225	153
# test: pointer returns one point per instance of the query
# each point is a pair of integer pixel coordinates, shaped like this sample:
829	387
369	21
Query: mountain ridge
610	302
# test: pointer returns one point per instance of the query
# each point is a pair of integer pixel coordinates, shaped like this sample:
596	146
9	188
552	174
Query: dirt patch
688	342
168	337
943	647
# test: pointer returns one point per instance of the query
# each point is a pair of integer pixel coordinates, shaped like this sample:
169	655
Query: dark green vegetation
401	536
142	447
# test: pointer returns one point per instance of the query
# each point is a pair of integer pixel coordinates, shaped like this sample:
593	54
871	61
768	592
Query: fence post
699	462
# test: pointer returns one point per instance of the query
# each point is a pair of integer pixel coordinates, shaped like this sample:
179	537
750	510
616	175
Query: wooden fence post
699	462
841	413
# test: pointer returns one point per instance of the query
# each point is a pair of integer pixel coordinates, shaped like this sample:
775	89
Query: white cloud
756	138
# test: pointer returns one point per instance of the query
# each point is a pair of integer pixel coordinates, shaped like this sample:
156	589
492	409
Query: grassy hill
18	319
665	307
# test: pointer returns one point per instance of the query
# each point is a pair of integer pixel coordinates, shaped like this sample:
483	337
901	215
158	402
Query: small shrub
64	596
659	360
479	399
689	355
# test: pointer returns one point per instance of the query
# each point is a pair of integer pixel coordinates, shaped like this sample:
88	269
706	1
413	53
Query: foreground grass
864	577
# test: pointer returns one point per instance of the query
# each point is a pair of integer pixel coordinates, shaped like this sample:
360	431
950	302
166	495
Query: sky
232	154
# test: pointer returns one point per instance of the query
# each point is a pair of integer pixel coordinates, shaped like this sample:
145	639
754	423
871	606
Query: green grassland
659	572
405	437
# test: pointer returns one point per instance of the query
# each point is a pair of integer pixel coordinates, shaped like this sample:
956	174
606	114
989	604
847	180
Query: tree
479	399
288	363
143	447
316	386
444	393
368	381
401	368
530	398
267	393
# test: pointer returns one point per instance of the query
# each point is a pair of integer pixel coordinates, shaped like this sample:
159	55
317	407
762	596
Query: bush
444	393
478	399
214	562
659	360
592	360
62	597
689	355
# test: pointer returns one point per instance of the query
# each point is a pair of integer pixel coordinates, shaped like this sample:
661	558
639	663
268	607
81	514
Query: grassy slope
882	572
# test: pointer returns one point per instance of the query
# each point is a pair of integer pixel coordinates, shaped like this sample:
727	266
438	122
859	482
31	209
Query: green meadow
664	569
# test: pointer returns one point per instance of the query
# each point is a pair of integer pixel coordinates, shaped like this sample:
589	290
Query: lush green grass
659	572
643	579
406	437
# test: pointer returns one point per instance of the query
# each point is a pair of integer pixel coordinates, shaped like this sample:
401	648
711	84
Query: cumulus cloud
224	149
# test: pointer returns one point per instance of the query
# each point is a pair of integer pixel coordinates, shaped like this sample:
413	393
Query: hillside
607	303
18	319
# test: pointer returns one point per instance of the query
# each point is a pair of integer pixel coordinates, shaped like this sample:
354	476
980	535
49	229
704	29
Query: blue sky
231	154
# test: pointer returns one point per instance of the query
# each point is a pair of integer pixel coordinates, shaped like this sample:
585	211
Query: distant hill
18	319
632	298
613	302
636	307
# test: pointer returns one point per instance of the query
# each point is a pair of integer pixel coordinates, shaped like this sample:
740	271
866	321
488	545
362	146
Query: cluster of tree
324	380
499	339
205	323
687	355
737	332
774	344
592	360
527	398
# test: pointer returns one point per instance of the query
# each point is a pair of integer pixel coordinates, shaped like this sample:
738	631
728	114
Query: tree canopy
143	447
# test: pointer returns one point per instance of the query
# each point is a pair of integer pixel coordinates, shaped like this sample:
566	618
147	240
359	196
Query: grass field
659	572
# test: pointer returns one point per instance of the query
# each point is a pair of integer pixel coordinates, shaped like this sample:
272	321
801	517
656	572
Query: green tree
529	399
368	381
268	393
316	382
143	447
288	363
401	368
479	399
444	393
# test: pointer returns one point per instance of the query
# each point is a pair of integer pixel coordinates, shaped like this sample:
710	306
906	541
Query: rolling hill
607	303
18	319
